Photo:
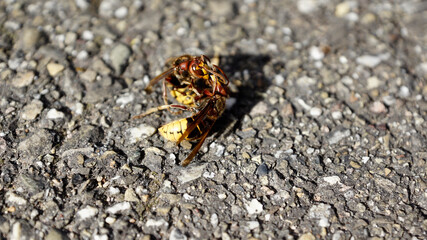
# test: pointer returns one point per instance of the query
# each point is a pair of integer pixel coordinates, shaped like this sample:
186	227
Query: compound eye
199	72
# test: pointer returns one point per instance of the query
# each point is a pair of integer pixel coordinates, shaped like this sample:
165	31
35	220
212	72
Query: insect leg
160	108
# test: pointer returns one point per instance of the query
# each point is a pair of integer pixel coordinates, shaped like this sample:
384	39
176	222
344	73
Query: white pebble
100	237
279	79
121	12
365	159
316	53
332	180
252	225
54	114
119	207
338	136
222	196
373	82
15	199
110	220
140	132
377	107
125	99
87	212
114	190
315	112
214	220
368	60
87	35
254	207
156	223
352	17
404	92
343	60
190	174
187	197
308	6
82	55
337	115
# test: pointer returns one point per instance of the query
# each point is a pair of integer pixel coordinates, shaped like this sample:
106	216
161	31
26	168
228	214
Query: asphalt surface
324	135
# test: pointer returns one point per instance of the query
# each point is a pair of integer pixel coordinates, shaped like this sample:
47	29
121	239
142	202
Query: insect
201	88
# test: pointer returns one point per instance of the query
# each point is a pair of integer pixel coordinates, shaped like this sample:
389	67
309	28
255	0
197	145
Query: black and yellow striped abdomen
174	130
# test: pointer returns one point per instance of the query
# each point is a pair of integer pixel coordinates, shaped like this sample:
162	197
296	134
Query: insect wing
198	118
198	146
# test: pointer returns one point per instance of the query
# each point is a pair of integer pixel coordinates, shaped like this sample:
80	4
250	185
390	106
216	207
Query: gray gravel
324	135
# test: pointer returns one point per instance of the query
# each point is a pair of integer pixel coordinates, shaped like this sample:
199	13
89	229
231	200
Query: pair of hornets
199	87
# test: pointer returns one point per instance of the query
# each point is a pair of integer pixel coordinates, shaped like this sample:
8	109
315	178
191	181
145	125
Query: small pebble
377	107
14	199
119	207
332	180
121	12
214	220
222	196
88	75
316	53
140	132
373	82
305	81
114	190
82	55
87	35
404	92
261	108
54	69
82	4
125	99
251	225
54	114
262	170
191	173
307	6
110	220
30	111
29	39
337	115
130	195
365	159
119	57
368	60
87	212
254	207
337	136
315	112
156	223
23	79
70	38
342	9
279	79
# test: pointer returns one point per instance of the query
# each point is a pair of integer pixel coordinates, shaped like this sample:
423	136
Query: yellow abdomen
174	130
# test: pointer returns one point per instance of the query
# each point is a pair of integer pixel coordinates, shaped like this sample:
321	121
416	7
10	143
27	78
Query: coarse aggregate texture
324	135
